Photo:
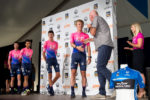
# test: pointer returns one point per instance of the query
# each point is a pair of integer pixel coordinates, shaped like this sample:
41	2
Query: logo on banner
95	74
58	28
50	29
107	2
108	14
58	37
66	44
85	20
66	15
85	30
66	75
41	77
76	85
67	26
66	36
96	6
43	22
76	13
85	10
58	19
50	20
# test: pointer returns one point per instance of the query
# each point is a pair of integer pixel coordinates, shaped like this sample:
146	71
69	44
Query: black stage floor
46	97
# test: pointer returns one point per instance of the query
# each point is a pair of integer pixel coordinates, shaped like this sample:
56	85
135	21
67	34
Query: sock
25	88
51	88
72	89
84	87
19	87
12	88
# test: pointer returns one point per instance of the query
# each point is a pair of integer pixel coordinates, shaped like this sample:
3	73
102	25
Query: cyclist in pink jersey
14	66
79	56
25	56
49	54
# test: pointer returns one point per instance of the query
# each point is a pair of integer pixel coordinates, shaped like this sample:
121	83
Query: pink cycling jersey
135	40
14	56
50	47
78	39
26	55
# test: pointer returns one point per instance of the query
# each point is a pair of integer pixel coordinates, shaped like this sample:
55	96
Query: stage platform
46	97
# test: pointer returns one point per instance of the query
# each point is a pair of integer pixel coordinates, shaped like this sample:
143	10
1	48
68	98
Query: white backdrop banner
63	25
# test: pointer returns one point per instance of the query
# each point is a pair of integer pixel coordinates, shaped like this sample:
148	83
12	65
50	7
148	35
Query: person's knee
58	75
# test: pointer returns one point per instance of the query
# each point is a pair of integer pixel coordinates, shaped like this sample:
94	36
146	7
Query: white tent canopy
17	17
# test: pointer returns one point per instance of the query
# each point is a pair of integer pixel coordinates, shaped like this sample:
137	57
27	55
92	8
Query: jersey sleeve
10	55
140	81
140	35
95	22
44	47
21	53
72	38
56	47
111	83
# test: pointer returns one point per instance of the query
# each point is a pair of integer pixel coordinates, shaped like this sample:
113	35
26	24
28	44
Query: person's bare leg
50	79
25	84
12	82
83	74
84	80
19	82
73	75
7	86
143	77
141	93
57	76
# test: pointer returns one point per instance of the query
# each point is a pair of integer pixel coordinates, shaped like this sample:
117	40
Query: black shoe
73	95
83	95
18	92
52	93
12	92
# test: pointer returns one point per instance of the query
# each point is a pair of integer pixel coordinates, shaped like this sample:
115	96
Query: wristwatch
89	56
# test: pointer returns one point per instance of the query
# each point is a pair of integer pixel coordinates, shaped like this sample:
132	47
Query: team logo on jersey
117	74
28	54
16	55
52	46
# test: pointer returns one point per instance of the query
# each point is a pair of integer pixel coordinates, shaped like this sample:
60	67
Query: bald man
99	29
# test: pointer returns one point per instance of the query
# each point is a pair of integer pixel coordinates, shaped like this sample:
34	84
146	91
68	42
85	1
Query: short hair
51	31
27	40
79	20
16	43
